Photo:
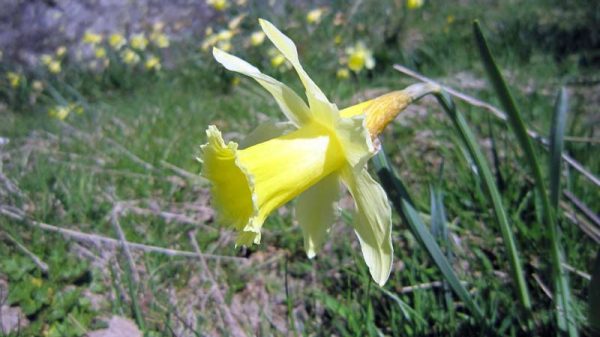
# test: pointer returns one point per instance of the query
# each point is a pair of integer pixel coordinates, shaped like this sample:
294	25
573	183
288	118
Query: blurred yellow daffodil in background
92	38
222	39
14	79
161	40
152	63
61	51
139	41
53	65
414	4
314	16
278	60
257	38
305	158
218	5
129	56
117	41
343	74
61	112
360	57
100	52
37	85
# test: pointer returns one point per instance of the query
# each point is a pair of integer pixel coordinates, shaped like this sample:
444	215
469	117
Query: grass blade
493	195
439	229
557	132
564	314
398	194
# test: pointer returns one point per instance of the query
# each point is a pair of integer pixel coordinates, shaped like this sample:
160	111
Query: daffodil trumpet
305	159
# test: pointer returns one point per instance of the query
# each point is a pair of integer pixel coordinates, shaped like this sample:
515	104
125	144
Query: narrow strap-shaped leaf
563	300
401	201
493	195
557	132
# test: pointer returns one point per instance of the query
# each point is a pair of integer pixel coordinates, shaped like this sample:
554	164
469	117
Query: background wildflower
54	67
139	41
14	79
46	59
152	63
218	5
234	23
92	38
61	51
100	52
257	38
117	41
414	4
343	73
37	85
314	16
60	112
129	56
161	40
360	57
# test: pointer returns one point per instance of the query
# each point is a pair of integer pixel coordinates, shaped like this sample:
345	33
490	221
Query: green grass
135	146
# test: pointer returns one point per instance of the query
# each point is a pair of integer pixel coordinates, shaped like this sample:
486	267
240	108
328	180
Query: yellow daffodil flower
139	41
221	40
306	159
414	4
343	74
100	52
278	60
152	63
234	24
225	34
360	57
218	5
92	38
117	41
46	59
130	57
257	38
158	26
314	16
59	112
161	40
14	79
37	85
61	51
337	40
54	67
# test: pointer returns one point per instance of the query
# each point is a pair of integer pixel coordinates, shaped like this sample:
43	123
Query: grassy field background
71	190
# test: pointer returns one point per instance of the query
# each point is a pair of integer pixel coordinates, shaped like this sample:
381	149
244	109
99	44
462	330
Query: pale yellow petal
287	47
289	102
316	210
372	223
266	131
355	141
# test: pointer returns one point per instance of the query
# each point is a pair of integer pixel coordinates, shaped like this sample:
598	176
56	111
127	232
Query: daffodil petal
316	210
373	222
287	47
355	141
266	131
289	102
